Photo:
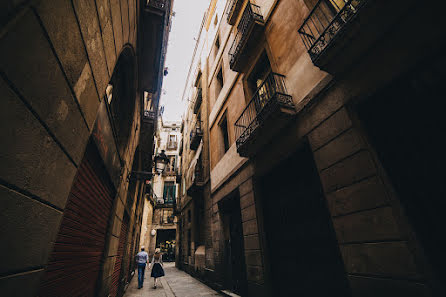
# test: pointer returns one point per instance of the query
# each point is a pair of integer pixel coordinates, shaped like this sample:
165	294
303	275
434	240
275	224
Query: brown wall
56	61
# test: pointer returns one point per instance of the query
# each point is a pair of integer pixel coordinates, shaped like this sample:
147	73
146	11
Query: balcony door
256	81
169	192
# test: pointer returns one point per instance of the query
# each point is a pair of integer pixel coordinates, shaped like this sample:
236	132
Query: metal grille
325	21
159	4
75	262
251	14
118	263
272	92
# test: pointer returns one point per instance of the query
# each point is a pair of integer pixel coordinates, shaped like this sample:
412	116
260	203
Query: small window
169	192
217	42
189	217
216	46
216	20
224	132
219	82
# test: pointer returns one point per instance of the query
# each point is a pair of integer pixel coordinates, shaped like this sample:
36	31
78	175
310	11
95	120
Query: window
172	142
259	73
167	216
224	131
256	79
219	82
189	217
216	46
169	192
172	163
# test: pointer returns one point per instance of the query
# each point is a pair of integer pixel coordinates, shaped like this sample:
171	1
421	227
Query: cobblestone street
175	283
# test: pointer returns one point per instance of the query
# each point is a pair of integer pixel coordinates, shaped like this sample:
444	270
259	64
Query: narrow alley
257	148
176	283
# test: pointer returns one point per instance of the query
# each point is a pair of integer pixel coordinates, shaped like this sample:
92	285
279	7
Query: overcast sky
185	26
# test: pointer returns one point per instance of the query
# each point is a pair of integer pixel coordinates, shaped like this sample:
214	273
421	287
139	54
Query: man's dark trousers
141	269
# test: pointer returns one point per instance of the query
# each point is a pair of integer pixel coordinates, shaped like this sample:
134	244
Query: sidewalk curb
167	289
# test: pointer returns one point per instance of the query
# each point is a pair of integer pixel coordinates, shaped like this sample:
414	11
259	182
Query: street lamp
160	162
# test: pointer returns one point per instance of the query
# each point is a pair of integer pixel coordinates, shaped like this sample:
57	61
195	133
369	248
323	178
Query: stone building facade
159	229
324	167
80	84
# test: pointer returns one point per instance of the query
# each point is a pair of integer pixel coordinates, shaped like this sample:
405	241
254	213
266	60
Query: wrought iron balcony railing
326	21
233	10
199	174
167	220
149	115
158	4
251	16
195	136
269	97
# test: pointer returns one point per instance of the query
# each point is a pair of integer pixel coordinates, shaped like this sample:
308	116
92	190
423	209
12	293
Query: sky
185	26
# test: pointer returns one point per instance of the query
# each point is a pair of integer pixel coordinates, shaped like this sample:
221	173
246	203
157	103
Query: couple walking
142	259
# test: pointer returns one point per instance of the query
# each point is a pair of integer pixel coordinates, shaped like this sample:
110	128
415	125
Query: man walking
141	259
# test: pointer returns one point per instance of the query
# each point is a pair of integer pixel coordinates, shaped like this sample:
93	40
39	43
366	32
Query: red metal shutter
76	259
121	249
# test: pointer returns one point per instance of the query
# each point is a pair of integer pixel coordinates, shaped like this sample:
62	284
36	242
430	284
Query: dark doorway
166	241
303	252
234	258
404	124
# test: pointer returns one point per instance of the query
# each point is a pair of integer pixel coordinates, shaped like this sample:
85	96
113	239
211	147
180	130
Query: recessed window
216	46
224	132
259	73
219	82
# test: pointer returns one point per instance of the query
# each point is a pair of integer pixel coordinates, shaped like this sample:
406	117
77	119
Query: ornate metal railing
271	93
232	9
149	115
167	220
251	14
195	136
325	21
198	174
159	4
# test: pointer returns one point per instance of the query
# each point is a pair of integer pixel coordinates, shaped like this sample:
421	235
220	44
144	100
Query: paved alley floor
176	283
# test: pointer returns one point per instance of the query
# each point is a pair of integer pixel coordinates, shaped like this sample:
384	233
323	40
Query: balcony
165	202
249	30
329	29
233	10
157	4
195	136
169	220
266	113
198	99
149	116
197	180
146	140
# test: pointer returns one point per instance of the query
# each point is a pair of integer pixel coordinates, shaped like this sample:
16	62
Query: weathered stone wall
57	58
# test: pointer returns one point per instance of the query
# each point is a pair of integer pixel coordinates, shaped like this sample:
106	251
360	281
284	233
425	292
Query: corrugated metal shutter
76	259
121	249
